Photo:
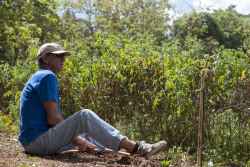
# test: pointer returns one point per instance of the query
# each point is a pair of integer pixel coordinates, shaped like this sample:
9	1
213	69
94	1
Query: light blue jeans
85	123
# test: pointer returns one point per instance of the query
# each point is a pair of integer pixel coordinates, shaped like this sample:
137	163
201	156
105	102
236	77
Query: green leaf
165	163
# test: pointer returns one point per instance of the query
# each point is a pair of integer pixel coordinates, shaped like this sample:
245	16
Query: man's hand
84	144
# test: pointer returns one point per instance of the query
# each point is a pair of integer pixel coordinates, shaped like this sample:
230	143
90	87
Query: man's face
56	63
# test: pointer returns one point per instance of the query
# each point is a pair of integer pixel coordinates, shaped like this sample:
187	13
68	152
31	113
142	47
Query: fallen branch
106	149
119	152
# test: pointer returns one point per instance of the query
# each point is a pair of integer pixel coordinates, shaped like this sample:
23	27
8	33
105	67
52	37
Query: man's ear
44	58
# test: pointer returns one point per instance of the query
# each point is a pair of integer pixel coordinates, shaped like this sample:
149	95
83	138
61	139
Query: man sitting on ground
42	129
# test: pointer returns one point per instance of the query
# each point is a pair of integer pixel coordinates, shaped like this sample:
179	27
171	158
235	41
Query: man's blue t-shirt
41	87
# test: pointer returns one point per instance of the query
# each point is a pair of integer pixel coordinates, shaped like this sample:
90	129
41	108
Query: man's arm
52	115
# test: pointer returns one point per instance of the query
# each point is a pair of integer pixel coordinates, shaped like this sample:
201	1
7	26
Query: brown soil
12	154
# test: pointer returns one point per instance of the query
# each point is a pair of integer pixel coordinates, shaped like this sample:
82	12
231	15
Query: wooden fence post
201	114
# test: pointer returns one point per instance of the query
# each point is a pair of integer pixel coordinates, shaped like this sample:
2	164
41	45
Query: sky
185	6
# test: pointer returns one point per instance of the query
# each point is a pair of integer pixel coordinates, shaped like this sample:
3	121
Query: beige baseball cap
52	48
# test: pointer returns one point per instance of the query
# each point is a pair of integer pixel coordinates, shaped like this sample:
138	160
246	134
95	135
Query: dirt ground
12	154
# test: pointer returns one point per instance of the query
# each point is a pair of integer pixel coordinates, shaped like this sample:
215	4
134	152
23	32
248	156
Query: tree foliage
23	23
26	22
227	28
135	18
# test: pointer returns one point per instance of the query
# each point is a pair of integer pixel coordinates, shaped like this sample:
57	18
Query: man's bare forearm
56	119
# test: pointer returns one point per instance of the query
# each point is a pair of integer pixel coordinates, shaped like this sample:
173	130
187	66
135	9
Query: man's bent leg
84	121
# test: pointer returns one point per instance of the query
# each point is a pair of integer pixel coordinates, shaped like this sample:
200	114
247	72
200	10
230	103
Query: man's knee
86	113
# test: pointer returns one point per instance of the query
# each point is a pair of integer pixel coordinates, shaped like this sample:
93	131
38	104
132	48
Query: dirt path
12	154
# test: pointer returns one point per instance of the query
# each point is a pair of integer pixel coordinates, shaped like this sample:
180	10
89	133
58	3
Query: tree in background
78	19
139	17
24	22
227	28
133	18
235	27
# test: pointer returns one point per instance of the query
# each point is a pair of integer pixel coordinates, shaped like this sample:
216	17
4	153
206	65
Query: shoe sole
157	150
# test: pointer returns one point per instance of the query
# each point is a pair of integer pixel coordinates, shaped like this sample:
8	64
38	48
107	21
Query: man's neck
46	67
